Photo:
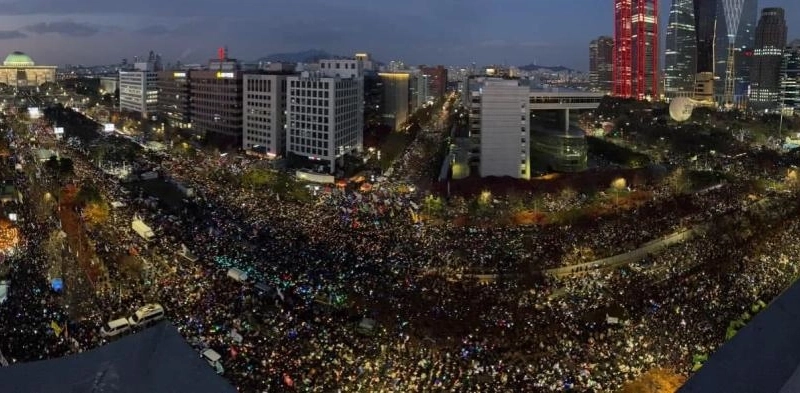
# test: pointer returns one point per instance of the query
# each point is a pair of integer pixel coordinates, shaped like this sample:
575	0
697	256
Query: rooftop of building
564	92
537	90
18	59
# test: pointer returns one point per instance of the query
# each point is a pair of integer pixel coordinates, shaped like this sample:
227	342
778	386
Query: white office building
264	105
325	113
518	129
504	128
366	61
343	68
138	89
418	90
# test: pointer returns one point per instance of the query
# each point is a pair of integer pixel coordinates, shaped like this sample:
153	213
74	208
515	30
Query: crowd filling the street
346	289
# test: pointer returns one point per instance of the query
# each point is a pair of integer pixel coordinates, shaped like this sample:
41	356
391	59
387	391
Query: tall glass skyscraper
768	58
680	55
601	64
790	78
705	15
636	53
743	44
746	40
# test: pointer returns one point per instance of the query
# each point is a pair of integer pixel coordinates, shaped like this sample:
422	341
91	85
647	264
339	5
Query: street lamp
485	197
617	185
791	175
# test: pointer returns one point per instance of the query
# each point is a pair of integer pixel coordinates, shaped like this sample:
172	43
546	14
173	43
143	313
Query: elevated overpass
557	140
563	99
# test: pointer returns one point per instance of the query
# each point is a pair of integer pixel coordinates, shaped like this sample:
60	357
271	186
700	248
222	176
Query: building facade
418	90
373	100
518	130
173	98
767	59
746	40
601	64
504	129
740	16
705	16
20	71
216	103
636	49
342	68
437	81
138	90
264	121
681	47
109	84
395	107
325	115
366	61
790	79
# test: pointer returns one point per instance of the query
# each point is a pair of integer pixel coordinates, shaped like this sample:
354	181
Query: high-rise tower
745	40
705	15
623	61
601	55
680	55
636	37
790	78
767	58
742	41
732	11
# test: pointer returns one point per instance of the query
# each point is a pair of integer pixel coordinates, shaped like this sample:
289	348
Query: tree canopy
657	380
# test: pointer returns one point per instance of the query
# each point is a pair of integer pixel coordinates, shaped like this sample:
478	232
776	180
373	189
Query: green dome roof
18	59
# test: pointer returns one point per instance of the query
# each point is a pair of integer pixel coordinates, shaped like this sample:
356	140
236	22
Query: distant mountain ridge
306	56
534	67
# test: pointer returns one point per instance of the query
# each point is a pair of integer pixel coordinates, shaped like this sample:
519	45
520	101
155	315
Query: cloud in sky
66	28
11	34
416	31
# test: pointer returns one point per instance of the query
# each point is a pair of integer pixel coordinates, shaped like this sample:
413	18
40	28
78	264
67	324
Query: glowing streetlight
618	185
485	197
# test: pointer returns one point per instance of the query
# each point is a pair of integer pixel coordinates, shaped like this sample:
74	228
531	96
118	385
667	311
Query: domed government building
19	70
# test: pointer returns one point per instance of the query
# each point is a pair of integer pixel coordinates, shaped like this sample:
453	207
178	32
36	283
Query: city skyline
417	32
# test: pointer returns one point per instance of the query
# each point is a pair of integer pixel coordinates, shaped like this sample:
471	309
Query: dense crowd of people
354	255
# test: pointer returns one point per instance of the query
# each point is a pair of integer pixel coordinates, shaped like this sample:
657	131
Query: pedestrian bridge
564	100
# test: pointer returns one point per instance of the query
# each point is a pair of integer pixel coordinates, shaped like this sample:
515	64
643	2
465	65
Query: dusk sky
514	32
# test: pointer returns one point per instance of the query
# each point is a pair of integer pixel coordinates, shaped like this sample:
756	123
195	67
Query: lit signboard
58	130
109	127
179	75
34	113
225	75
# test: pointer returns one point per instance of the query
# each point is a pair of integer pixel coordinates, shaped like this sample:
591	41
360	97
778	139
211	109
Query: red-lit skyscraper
438	80
636	37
